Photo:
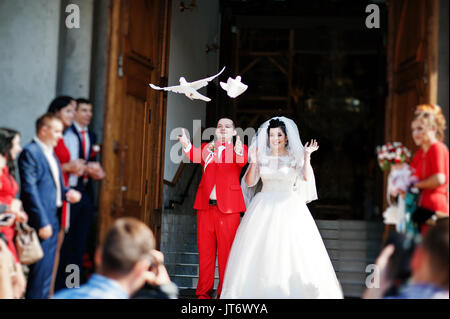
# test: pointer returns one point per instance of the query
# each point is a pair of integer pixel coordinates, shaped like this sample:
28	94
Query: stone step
343	244
350	225
352	290
181	257
349	287
350	234
367	237
189	282
358	278
352	266
353	255
350	242
350	276
186	269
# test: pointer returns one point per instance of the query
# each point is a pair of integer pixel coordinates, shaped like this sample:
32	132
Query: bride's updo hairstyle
276	123
431	115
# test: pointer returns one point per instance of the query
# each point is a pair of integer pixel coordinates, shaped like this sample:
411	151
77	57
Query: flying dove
189	88
234	87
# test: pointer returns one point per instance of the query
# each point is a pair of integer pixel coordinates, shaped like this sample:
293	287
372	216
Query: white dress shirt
54	167
73	145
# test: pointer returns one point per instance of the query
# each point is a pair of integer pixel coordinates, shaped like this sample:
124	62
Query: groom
218	202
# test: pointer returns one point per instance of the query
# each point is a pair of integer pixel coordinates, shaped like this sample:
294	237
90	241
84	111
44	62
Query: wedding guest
64	108
431	162
42	193
126	261
80	142
429	268
9	150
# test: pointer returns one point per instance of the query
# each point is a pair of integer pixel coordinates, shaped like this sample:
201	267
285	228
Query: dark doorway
317	63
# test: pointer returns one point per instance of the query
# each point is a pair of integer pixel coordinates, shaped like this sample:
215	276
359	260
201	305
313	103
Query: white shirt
54	167
73	145
86	135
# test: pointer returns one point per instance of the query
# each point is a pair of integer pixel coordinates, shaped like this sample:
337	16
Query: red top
63	154
8	191
222	172
427	164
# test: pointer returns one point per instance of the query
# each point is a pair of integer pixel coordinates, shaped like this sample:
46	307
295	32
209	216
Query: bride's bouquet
392	153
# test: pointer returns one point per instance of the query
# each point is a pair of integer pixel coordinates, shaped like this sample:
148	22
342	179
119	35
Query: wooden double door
412	63
135	115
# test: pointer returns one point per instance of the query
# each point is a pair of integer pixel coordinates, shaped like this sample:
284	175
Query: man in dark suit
81	143
42	192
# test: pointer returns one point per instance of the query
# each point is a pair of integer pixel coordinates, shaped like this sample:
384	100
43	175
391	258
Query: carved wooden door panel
135	115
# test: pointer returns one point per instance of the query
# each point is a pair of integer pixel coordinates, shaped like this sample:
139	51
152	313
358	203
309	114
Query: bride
278	251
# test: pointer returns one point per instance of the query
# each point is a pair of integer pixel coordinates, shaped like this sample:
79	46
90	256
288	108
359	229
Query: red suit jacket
223	172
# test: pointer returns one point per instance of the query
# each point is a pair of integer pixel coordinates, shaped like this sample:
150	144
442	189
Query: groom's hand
183	139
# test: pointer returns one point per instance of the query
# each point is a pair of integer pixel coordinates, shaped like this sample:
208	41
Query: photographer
428	265
126	261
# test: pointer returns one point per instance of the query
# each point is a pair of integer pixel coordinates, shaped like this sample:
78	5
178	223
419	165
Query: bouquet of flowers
394	157
392	153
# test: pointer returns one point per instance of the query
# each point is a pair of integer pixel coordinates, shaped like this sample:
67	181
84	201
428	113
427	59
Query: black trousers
75	240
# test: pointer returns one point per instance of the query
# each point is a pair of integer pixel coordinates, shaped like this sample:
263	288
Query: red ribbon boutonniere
95	150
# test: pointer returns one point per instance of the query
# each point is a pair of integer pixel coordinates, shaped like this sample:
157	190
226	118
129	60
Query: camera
399	265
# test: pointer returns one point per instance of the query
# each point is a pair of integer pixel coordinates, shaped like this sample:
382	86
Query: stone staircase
351	245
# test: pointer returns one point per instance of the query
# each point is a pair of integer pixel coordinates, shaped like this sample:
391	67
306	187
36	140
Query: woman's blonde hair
431	115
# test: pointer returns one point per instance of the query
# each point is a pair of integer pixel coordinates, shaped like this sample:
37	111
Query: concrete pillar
75	51
28	61
99	63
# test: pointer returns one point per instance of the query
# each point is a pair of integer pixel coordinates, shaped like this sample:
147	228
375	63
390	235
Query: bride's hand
312	147
253	155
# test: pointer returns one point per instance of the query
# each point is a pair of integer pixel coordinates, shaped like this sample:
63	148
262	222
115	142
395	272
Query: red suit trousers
215	233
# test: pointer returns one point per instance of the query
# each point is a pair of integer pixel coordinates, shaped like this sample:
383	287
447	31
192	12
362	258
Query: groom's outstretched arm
195	153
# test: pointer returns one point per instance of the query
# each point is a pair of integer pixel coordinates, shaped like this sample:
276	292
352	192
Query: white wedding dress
278	251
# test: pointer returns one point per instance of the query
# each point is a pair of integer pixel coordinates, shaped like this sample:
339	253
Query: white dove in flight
234	87
190	88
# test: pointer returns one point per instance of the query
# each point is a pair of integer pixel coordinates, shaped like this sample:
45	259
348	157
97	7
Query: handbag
28	246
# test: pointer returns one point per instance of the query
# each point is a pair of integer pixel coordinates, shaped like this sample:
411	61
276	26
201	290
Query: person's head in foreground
429	264
126	260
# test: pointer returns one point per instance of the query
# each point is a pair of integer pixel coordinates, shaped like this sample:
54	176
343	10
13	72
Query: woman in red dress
64	108
9	150
431	161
